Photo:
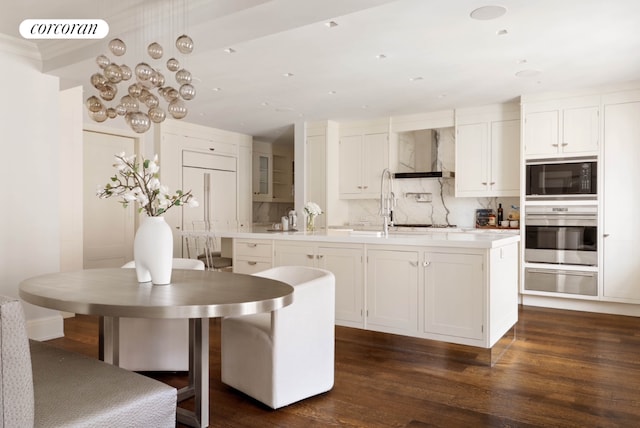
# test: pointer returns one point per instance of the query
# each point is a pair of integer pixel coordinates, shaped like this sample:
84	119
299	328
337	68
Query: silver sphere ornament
184	44
117	47
98	81
99	116
129	103
157	115
155	50
102	61
113	73
187	92
134	90
126	72
170	94
121	110
173	64
94	104
143	71
108	92
177	109
138	121
183	76
151	101
111	113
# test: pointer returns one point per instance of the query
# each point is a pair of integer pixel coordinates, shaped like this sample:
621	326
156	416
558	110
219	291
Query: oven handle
564	272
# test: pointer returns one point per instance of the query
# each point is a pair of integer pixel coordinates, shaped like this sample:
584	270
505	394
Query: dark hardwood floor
565	369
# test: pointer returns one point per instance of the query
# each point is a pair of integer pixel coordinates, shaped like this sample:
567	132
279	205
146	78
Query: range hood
429	174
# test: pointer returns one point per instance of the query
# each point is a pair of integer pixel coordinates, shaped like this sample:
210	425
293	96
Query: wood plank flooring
565	369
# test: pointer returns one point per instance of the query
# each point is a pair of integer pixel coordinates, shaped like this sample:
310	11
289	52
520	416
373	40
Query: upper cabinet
488	151
564	127
363	154
272	172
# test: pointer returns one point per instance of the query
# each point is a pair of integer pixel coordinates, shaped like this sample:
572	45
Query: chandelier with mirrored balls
140	106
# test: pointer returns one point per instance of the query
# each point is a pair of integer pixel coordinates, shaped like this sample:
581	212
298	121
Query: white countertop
436	238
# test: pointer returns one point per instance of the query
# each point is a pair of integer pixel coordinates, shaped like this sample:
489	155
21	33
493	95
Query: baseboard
45	328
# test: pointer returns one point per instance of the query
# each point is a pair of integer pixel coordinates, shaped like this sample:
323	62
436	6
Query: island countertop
436	238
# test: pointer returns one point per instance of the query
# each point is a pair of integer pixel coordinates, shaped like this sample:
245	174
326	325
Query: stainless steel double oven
561	227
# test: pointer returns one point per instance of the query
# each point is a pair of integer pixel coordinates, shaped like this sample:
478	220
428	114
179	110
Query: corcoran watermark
64	29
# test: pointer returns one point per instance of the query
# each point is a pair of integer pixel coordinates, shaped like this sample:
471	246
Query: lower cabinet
464	296
344	261
251	255
454	298
392	291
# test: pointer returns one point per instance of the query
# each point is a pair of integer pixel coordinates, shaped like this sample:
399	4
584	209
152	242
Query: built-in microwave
557	179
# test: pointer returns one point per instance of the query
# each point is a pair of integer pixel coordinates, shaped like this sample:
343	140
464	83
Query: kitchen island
459	287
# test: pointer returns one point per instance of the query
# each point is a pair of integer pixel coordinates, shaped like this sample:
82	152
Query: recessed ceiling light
332	92
502	32
528	73
486	13
264	104
365	107
331	24
521	61
381	56
441	96
415	79
216	89
230	50
288	74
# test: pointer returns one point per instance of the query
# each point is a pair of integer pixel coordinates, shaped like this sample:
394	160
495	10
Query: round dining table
113	293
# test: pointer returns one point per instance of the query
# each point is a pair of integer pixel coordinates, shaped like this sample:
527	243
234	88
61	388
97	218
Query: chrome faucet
387	200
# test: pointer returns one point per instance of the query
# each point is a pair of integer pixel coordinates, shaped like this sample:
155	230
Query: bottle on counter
500	214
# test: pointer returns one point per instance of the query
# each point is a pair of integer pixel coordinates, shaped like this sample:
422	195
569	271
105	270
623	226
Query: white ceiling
458	61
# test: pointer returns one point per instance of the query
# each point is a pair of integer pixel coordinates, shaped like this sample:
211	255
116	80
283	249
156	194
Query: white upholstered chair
156	344
287	355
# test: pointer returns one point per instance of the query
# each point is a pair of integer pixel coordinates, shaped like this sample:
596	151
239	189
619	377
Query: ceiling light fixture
415	79
502	32
486	13
331	24
230	50
139	106
288	74
332	92
381	56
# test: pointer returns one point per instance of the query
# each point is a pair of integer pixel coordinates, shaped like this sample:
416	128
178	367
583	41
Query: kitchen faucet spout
387	200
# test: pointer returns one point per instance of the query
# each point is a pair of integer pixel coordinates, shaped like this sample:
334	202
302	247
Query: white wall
29	172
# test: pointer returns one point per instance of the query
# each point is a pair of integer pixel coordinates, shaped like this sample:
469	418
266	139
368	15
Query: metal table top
116	292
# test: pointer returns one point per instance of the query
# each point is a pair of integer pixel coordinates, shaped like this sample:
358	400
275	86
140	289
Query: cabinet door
375	156
580	130
262	184
472	151
621	279
392	291
350	159
347	266
244	174
454	295
505	158
541	133
294	254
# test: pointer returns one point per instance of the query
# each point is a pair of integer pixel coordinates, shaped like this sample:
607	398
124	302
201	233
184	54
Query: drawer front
250	266
253	248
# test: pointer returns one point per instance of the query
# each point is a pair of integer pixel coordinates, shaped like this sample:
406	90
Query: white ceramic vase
153	251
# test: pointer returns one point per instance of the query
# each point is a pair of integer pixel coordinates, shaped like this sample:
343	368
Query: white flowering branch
136	183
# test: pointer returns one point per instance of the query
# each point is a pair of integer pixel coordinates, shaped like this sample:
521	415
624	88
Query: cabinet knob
309	256
212	148
413	263
319	256
484	183
252	245
606	235
565	144
365	187
492	183
426	264
252	263
555	145
359	187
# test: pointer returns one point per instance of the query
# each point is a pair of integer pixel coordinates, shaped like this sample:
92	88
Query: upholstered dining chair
287	355
156	344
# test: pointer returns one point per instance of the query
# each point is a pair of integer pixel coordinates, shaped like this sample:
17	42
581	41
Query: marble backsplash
444	208
270	212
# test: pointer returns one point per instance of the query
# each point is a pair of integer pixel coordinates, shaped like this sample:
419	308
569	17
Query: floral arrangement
135	182
312	209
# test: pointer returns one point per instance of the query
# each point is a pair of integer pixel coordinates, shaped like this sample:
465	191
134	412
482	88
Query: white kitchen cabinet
566	127
362	158
262	181
252	255
488	158
392	291
344	261
621	179
282	175
454	298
